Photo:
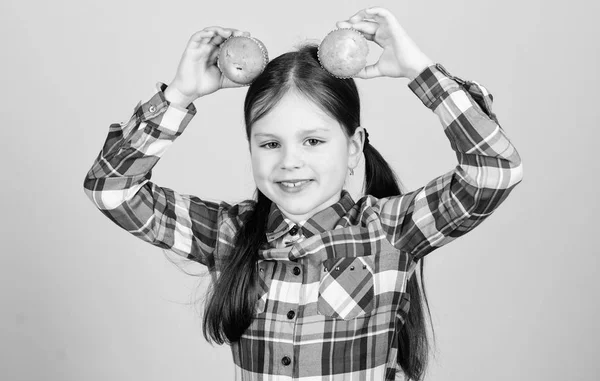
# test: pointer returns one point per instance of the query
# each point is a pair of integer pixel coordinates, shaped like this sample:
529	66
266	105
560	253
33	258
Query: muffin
241	59
343	52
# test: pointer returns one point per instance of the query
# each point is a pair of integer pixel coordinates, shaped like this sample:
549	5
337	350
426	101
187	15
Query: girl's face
300	157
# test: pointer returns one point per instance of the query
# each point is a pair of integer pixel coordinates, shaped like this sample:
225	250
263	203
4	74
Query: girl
308	283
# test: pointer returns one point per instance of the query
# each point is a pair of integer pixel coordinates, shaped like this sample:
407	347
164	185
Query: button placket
293	236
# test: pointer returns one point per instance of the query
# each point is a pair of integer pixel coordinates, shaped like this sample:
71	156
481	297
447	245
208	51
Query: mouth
294	186
293	183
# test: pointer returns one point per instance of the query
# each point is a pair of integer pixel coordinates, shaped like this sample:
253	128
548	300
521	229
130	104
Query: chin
297	208
303	208
290	208
303	204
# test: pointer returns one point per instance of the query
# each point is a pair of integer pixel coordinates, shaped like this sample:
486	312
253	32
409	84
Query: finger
227	33
201	37
217	40
238	33
358	16
234	32
368	72
369	37
227	83
343	24
241	33
378	12
196	37
366	27
223	32
212	59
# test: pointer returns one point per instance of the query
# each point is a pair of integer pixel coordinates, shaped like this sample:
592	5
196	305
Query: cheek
334	159
260	165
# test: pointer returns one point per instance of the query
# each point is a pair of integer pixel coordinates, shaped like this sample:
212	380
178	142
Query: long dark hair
230	306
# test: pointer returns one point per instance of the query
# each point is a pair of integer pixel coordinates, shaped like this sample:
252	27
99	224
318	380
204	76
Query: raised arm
489	166
118	182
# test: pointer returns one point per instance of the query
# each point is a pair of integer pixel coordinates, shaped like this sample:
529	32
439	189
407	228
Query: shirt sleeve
454	203
118	183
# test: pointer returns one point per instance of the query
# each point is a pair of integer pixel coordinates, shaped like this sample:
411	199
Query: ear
355	146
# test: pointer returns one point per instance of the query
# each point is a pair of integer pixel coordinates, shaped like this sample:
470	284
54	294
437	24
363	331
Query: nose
292	158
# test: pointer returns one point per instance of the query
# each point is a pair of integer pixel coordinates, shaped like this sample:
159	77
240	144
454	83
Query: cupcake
242	59
343	52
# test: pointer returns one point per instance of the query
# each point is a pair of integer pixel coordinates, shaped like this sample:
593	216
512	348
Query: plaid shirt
332	292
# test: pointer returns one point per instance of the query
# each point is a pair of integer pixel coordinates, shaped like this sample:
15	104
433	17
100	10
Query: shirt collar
322	221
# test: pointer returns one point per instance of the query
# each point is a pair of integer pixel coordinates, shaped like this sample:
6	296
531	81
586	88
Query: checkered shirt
332	291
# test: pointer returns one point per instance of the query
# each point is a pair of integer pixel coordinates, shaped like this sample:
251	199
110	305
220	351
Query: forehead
294	113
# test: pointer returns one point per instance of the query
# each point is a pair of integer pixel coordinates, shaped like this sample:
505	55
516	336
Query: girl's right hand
197	74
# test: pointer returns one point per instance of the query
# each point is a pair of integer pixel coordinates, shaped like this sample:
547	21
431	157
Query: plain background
81	299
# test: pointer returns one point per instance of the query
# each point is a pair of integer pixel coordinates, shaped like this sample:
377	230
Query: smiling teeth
292	185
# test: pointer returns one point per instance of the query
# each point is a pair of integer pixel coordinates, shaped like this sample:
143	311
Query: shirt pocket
346	289
264	271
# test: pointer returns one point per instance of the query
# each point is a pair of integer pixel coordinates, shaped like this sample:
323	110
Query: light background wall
83	300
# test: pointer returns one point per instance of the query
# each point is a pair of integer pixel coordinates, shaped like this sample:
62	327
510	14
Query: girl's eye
270	145
314	142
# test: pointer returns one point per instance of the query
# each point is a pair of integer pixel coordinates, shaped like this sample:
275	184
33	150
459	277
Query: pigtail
413	345
380	179
230	307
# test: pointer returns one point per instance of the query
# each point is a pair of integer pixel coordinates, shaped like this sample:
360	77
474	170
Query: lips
294	185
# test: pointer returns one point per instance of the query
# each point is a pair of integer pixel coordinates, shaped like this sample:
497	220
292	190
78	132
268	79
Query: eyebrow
303	132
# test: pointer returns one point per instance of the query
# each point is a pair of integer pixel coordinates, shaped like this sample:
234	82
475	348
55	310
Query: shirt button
152	108
296	270
294	230
291	314
286	361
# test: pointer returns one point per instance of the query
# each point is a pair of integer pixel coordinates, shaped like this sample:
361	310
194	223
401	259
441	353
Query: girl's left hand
401	57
